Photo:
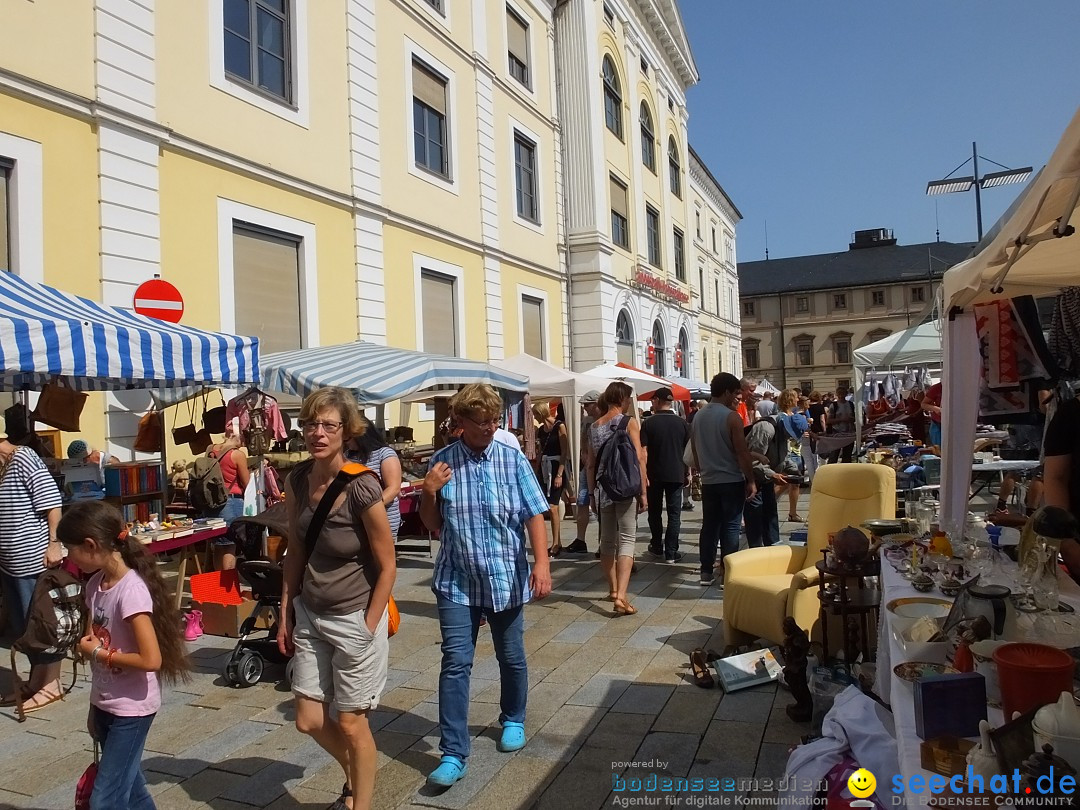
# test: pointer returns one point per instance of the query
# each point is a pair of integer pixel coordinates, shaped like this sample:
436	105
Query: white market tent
919	345
549	382
1032	250
766	387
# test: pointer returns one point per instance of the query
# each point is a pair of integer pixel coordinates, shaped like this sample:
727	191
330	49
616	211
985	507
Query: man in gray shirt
727	476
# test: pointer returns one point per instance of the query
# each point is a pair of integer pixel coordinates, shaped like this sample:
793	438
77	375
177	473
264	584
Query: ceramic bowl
930	651
907	609
923	583
952	587
912	671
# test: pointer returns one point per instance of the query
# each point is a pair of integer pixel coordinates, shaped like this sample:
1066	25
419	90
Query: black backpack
777	451
55	623
618	472
207	485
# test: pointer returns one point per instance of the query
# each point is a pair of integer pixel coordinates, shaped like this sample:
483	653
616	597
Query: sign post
159	299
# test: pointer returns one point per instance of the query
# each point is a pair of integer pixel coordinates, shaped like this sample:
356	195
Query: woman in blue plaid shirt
483	499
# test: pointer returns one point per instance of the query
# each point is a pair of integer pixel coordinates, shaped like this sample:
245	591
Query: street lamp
950	184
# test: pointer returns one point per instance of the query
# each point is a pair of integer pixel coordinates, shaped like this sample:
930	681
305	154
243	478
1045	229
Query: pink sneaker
193	625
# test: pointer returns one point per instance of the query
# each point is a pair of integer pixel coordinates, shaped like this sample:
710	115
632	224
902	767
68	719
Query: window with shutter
517	46
532	326
266	287
620	231
437	302
258	44
525	178
652	232
430	142
5	217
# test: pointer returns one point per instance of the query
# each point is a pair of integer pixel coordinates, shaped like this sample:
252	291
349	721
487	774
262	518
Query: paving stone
746	706
730	747
650	637
689	711
584	782
201	788
269	783
518	784
403	698
552	654
304	797
781	728
419	720
643	698
771	761
601	690
484	762
210	751
619	734
579	632
628	661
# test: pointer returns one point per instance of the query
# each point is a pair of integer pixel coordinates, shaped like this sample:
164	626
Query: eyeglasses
491	424
329	428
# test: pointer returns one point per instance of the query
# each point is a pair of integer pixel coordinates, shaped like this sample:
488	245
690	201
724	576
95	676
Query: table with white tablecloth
900	694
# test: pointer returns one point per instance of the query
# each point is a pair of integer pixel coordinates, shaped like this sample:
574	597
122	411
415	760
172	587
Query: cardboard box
949	705
945	755
225	620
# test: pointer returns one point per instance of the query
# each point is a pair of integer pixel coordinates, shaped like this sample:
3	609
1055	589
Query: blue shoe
450	770
513	737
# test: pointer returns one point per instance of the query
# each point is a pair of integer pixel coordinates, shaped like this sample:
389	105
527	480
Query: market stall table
999	467
899	694
186	545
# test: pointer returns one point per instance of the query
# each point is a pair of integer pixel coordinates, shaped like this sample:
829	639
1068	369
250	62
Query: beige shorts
338	660
618	529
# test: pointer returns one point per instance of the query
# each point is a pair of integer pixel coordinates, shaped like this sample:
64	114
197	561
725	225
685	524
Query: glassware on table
1027	574
981	562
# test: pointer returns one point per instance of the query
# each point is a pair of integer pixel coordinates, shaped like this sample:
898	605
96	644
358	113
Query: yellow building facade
306	172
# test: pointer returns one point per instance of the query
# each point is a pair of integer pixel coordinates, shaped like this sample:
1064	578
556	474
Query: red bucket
1032	675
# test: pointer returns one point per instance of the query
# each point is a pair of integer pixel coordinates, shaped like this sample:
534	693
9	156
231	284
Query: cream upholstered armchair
763	585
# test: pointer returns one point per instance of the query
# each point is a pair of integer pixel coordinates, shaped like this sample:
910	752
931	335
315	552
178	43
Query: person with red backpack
615	465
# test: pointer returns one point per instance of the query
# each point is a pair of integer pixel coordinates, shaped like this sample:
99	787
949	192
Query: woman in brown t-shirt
334	600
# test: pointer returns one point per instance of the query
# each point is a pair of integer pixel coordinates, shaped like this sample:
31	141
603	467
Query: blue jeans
459	625
762	522
18	592
673	494
120	782
721	520
935	433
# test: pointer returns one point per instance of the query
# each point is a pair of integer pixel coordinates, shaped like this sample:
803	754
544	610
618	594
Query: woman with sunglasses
335	595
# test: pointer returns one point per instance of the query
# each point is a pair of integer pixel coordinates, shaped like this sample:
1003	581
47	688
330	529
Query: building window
844	383
749	309
804	353
660	349
802	303
671	104
5	215
839	301
701	286
877	298
609	16
525	178
439	306
620	204
437	5
716	296
612	99
674	168
680	261
918	295
684	351
644	66
806	386
705	362
517	47
843	351
624	338
697	223
257	45
714	240
648	142
532	326
750	357
877	334
652	233
266	285
430	142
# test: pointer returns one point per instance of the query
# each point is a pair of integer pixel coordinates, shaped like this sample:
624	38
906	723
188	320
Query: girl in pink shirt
132	641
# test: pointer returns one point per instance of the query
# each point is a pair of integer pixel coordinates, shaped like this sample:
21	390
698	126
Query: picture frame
1013	741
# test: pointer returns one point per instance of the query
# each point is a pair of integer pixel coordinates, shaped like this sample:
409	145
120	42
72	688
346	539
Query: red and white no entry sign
159	299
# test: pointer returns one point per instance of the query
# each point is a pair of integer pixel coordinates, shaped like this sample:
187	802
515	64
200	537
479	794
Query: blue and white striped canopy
378	374
46	333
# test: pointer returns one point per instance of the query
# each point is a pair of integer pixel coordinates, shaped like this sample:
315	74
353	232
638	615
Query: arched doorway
624	338
684	350
660	367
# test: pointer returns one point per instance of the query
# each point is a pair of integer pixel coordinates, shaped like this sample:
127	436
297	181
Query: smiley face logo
861	783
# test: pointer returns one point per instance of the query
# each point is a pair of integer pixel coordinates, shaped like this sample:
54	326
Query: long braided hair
103	522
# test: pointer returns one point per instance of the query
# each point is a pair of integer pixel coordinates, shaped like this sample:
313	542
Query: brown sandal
700	669
624	608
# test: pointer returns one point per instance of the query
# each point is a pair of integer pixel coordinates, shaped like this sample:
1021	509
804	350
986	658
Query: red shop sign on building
659	287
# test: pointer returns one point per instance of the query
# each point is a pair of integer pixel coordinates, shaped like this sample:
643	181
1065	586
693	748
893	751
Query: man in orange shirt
746	395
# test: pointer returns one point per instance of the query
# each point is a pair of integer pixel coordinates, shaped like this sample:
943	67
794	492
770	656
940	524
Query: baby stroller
250	655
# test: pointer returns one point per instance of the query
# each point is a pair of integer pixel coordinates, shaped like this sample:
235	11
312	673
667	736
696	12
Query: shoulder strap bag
345	476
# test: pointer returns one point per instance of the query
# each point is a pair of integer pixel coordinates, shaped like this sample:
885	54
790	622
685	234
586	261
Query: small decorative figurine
981	759
796	649
178	478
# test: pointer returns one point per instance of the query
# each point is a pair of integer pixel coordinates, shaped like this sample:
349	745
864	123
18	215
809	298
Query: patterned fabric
484	507
1013	354
1065	332
27	493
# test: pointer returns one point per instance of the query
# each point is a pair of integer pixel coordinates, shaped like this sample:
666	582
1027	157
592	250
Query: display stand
137	489
856	606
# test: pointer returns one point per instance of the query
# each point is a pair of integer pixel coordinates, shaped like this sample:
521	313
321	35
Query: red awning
680	392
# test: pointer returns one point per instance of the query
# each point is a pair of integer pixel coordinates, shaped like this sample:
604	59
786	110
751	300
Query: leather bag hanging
200	442
186	433
60	405
149	434
214	418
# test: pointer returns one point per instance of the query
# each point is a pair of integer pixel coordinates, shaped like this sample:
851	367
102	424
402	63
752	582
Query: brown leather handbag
214	418
60	405
148	436
186	433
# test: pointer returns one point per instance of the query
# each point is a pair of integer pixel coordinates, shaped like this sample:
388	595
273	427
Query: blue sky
822	118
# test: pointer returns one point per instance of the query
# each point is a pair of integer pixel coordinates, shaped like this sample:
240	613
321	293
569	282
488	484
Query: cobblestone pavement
605	691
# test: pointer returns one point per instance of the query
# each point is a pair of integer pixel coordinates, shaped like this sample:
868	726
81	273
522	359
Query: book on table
746	669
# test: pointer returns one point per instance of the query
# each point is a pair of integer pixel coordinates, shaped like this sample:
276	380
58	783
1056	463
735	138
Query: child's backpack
777	450
55	623
618	471
207	485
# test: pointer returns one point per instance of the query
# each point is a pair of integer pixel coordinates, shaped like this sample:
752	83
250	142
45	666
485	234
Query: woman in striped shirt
29	514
